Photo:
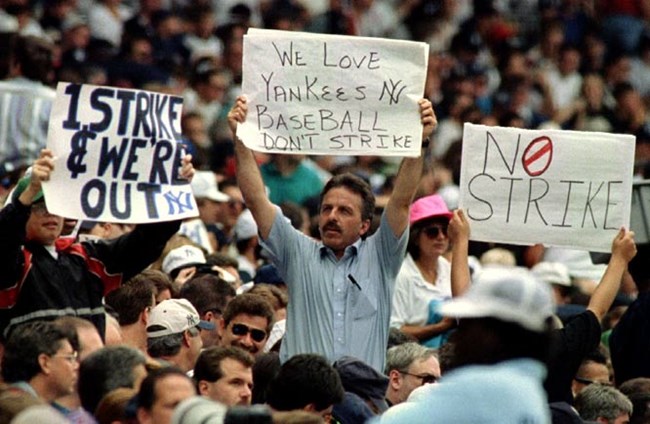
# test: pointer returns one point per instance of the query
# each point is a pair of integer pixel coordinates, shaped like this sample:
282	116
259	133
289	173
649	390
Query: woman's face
433	240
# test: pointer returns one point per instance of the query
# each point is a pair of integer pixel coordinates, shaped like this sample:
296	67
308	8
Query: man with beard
246	323
340	288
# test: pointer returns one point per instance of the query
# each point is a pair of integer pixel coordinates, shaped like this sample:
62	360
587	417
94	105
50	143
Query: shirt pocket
363	305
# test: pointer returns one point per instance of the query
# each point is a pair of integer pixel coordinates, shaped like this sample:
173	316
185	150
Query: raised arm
249	177
623	250
459	238
408	176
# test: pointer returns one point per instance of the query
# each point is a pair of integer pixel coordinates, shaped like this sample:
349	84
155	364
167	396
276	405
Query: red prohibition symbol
538	156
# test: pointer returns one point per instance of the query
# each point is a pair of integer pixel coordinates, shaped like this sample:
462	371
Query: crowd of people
319	288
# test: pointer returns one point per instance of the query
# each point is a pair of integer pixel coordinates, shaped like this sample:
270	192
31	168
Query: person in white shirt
425	277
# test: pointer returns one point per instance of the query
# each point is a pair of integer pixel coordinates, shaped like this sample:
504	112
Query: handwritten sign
117	156
559	188
332	95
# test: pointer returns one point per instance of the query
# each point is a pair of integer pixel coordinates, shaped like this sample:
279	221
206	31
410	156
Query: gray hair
401	357
601	401
168	345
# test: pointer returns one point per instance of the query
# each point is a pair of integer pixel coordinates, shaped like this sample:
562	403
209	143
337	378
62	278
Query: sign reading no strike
560	188
332	95
117	156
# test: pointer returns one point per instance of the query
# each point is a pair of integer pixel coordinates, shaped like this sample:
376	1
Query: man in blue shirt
340	288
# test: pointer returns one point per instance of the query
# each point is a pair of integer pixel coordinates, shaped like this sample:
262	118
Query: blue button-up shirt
337	306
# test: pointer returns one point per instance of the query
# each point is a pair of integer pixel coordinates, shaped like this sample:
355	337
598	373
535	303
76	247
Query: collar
351	250
26	387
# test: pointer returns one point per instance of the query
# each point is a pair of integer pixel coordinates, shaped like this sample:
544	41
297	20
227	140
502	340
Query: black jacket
34	285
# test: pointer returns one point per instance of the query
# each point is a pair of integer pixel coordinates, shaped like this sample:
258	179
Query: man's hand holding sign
307	101
332	95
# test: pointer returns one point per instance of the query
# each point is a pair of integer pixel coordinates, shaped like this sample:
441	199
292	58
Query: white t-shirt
413	294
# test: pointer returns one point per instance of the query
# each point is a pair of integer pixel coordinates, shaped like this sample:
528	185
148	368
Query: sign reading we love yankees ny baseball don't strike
331	94
117	156
559	188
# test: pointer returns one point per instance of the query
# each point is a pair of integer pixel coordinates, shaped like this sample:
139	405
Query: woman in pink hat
425	277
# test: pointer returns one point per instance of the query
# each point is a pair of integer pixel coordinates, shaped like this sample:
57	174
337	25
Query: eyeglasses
435	230
70	357
587	382
242	330
426	378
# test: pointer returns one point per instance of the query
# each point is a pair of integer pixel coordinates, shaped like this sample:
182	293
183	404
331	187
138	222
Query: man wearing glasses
39	359
246	323
409	366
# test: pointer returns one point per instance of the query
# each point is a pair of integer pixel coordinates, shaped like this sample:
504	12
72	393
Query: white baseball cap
552	273
507	294
204	186
173	316
245	227
182	257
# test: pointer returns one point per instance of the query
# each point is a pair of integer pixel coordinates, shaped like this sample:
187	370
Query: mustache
331	225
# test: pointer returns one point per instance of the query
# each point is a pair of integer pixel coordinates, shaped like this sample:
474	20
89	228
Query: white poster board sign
332	95
117	156
559	188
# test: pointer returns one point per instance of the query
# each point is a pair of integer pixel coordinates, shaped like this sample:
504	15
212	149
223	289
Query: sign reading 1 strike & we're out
117	156
559	188
332	95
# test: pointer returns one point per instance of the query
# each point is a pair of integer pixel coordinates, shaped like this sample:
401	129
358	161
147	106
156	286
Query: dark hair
304	379
207	292
169	345
494	341
147	393
34	56
356	185
208	365
413	248
638	391
131	299
26	343
158	278
105	370
221	259
293	212
266	367
249	304
277	298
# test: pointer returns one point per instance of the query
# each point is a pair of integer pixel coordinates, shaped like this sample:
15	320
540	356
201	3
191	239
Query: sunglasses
242	329
426	378
435	230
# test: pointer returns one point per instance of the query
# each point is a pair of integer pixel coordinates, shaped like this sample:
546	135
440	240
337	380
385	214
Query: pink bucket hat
429	207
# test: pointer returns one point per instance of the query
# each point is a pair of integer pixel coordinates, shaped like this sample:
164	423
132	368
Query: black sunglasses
435	230
242	330
426	378
587	382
